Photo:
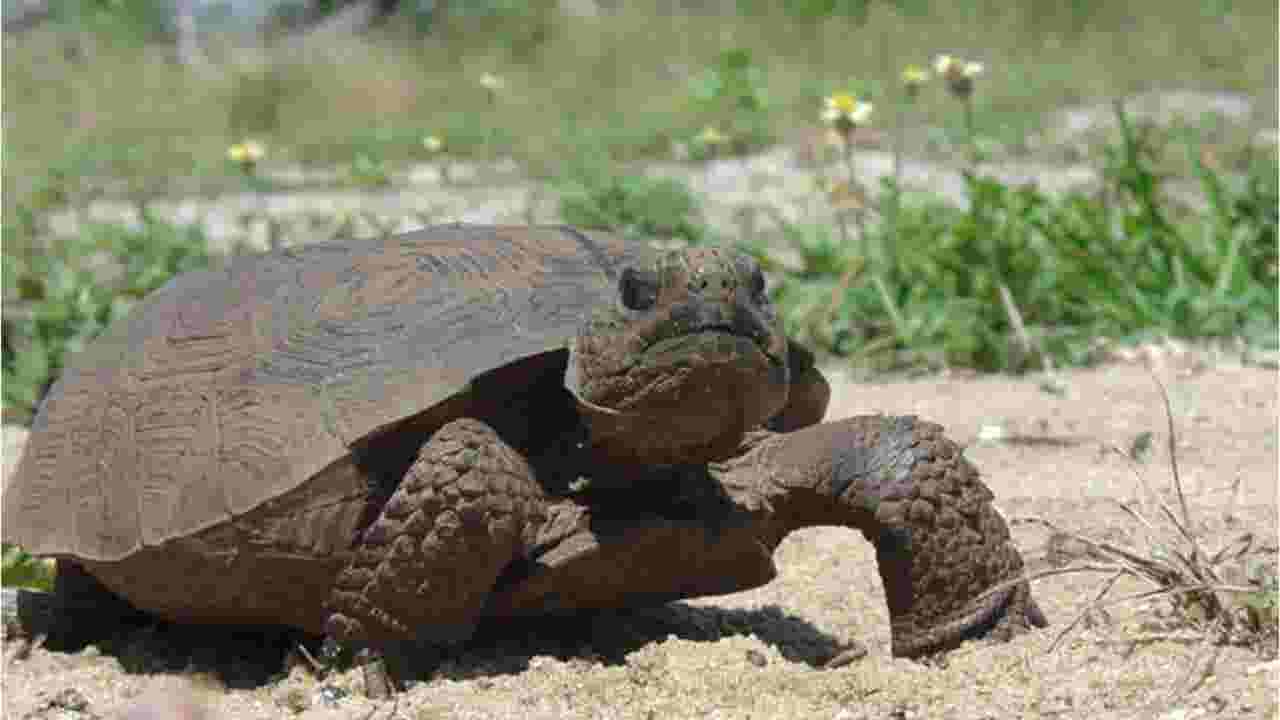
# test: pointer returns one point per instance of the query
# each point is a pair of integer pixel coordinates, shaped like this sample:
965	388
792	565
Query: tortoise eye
639	289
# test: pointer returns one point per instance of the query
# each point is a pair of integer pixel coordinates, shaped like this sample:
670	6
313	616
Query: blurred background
991	185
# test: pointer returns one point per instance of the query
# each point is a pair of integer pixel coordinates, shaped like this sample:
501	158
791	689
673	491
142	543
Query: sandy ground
1043	448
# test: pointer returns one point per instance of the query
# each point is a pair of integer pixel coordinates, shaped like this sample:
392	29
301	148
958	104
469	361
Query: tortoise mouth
721	340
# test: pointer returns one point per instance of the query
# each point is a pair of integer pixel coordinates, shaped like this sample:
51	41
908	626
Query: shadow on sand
250	657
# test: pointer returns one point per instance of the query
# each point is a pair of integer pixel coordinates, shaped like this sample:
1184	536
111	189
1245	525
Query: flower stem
847	145
968	129
898	142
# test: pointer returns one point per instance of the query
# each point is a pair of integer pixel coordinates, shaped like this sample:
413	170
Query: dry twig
1172	561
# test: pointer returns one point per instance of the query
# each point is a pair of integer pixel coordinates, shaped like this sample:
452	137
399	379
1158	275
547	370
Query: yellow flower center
843	102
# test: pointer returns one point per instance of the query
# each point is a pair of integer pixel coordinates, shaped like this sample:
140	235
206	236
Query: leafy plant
731	94
19	569
57	301
596	195
1022	279
369	170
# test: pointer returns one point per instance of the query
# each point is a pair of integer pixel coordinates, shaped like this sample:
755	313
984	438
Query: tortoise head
688	357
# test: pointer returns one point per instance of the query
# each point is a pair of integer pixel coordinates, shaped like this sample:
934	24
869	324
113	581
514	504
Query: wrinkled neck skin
940	543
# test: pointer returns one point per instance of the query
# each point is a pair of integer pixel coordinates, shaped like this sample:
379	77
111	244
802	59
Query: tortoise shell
228	388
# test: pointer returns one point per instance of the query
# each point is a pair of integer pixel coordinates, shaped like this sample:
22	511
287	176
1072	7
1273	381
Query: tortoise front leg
424	567
940	544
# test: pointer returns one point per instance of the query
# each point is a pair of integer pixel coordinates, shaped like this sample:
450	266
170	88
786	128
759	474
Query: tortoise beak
740	317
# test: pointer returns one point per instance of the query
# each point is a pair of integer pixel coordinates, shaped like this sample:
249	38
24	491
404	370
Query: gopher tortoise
386	441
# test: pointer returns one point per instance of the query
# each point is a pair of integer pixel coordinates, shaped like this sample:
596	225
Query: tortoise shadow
609	636
251	657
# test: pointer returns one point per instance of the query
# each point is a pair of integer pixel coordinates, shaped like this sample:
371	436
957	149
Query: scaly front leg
940	543
423	569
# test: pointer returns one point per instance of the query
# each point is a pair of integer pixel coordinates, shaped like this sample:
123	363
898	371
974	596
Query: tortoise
386	441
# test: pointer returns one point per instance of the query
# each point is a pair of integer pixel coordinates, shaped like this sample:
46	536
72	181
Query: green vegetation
1017	279
636	79
56	302
595	194
1023	279
19	569
1020	279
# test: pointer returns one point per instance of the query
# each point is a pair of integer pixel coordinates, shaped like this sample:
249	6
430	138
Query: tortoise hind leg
425	566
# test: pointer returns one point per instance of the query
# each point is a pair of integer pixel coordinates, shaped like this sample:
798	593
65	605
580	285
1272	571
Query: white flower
845	108
913	75
958	74
491	82
246	152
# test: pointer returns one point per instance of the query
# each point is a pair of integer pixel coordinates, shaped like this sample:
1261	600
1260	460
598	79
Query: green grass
19	569
593	193
1019	279
1022	279
637	81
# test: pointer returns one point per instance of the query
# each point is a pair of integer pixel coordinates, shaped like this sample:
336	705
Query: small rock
757	658
329	695
992	433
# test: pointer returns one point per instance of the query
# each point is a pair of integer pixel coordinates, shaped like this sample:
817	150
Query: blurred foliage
256	94
19	569
646	76
593	193
58	299
122	22
369	170
731	95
